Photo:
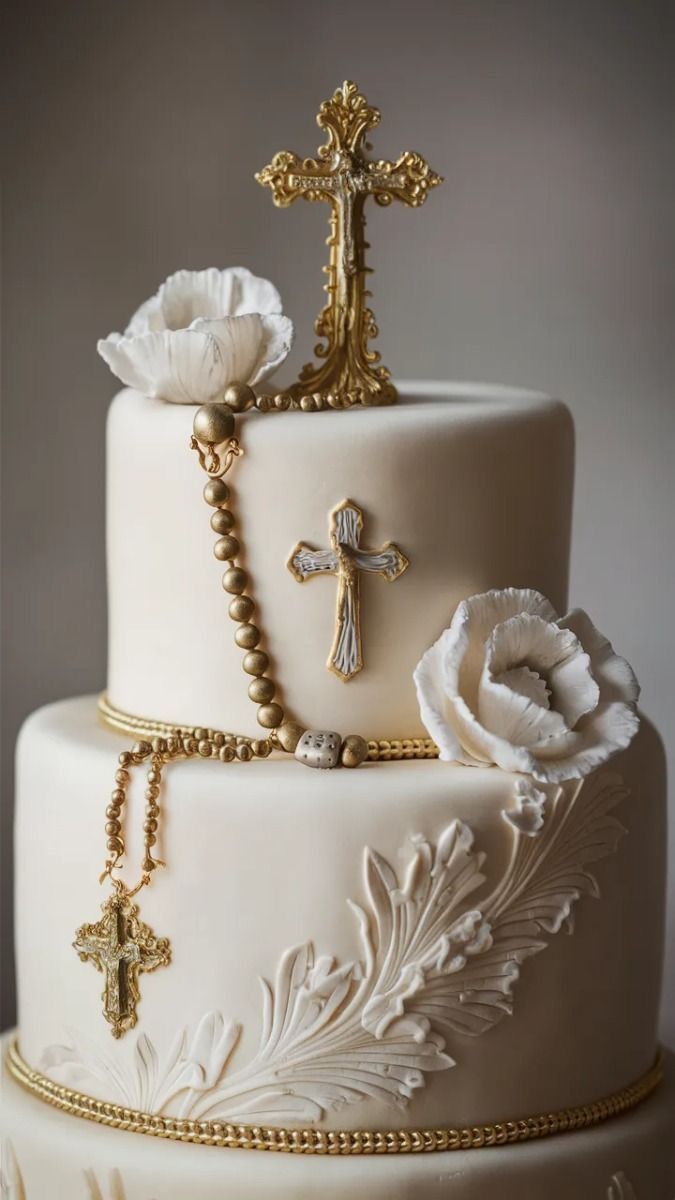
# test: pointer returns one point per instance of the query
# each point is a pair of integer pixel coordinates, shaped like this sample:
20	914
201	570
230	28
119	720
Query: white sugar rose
201	331
512	683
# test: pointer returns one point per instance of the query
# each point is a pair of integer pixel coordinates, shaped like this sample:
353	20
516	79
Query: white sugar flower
201	331
511	683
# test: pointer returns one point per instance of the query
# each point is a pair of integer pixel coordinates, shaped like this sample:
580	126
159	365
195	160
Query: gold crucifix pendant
121	946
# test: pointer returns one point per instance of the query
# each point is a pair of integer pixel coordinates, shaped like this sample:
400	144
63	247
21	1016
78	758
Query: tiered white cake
436	974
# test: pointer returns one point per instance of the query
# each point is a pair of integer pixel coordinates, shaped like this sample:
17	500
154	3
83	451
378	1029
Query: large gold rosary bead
238	397
234	580
213	424
288	735
247	637
270	715
222	520
354	750
241	608
226	548
216	492
255	662
261	690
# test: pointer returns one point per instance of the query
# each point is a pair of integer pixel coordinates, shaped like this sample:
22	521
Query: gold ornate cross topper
349	371
346	559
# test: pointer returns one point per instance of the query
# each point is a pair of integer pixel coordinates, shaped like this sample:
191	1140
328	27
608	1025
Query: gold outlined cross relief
346	559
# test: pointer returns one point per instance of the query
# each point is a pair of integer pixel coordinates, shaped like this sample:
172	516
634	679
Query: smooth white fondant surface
474	483
262	857
60	1157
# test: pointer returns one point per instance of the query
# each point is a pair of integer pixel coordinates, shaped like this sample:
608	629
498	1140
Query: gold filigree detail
121	946
342	176
334	1141
346	559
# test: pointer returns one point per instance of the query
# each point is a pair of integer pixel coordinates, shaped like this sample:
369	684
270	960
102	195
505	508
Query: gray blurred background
131	135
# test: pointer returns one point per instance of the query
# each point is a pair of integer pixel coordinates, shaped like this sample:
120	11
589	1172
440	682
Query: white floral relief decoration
438	956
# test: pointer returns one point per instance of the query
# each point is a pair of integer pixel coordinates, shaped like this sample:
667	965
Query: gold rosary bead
244	752
265	403
112	828
126	758
226	548
216	492
270	716
354	750
307	403
191	745
218	740
158	748
118	796
122	776
283	401
152	791
261	747
238	397
154	776
213	424
150	826
289	734
261	690
204	748
200	733
152	812
115	845
112	811
255	662
235	580
241	608
141	749
222	520
149	839
226	754
173	746
247	637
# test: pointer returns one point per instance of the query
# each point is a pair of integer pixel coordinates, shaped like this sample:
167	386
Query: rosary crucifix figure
346	559
121	946
344	177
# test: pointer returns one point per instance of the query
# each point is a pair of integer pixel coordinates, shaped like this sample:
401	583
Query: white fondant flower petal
201	331
511	684
233	292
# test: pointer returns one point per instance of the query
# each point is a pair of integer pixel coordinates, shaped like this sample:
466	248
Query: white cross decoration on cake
346	559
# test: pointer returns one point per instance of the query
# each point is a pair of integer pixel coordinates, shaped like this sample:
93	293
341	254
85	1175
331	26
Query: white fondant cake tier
48	1155
365	1009
474	484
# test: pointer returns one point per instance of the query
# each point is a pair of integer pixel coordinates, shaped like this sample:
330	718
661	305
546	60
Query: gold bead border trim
333	1141
379	750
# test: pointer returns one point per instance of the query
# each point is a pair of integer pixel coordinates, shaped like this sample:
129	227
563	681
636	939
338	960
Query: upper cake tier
473	484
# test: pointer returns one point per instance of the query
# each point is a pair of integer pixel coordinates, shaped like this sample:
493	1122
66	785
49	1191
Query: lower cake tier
48	1155
410	945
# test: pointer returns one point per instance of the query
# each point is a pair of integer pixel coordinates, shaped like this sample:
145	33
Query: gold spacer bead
112	828
200	733
307	403
265	403
247	636
152	791
289	734
241	608
270	715
154	776
283	401
122	776
244	752
191	745
239	397
142	749
125	759
261	748
255	662
261	690
222	520
205	748
354	750
226	754
213	424
216	492
159	745
226	548
219	739
234	580
149	839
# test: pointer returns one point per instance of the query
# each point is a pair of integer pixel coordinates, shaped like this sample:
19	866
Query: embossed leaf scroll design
439	956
